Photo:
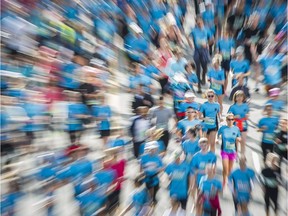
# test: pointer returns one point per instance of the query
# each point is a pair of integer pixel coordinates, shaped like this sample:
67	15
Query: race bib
271	70
216	86
282	147
226	55
230	146
210	121
268	137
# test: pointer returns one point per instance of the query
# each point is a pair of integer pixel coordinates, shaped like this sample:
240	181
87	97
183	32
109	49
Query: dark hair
192	131
190	108
193	65
161	98
186	66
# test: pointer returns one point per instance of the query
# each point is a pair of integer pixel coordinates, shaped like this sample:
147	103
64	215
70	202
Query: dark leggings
266	148
136	148
165	138
163	82
153	191
74	136
271	194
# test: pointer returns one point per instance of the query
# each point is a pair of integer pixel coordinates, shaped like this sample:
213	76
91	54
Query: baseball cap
189	94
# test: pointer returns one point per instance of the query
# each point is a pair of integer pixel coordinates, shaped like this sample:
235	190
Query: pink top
119	168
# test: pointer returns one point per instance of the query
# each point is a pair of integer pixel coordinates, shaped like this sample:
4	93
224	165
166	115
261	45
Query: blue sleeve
168	169
209	74
202	108
195	78
218	185
223	75
230	110
95	111
220	131
260	124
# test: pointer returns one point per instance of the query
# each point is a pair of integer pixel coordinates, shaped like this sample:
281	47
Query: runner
190	146
210	113
189	102
240	110
267	125
241	184
216	77
230	136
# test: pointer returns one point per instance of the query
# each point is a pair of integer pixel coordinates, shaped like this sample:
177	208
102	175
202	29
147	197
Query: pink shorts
229	156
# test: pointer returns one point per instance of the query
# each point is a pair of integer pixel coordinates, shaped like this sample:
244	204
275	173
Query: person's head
191	112
161	101
254	20
177	53
230	119
239	97
140	89
144	110
191	133
178	156
226	34
188	67
239	52
151	147
210	170
284	125
203	144
272	161
189	96
268	109
199	22
216	61
242	162
210	94
274	93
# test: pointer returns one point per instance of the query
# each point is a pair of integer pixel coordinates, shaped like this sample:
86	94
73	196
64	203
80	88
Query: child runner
267	125
190	146
230	136
151	164
209	112
240	110
241	183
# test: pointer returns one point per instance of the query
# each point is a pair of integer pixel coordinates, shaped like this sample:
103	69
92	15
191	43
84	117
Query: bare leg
211	140
225	164
243	142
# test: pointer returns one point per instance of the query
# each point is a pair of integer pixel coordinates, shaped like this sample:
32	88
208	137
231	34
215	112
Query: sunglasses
210	96
230	119
192	112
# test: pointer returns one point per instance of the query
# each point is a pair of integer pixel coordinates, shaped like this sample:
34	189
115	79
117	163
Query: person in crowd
139	78
240	67
209	20
138	129
190	146
188	122
210	113
189	102
191	75
209	189
267	125
240	86
225	46
241	184
152	165
201	38
240	110
270	180
162	115
231	137
177	63
142	98
216	77
179	175
237	19
102	114
277	104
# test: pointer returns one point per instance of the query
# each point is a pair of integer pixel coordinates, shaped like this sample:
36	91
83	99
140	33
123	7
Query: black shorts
113	200
212	129
225	64
104	133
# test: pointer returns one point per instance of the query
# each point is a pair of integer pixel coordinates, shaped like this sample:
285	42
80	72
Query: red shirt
119	168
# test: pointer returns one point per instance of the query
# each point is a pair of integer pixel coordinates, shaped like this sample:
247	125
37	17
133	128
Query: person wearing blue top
210	112
231	137
267	125
216	77
202	38
105	28
68	80
102	113
277	104
190	146
189	122
209	188
140	78
279	14
200	160
151	164
272	65
225	46
189	102
140	199
191	75
240	109
77	112
239	66
179	175
241	183
209	19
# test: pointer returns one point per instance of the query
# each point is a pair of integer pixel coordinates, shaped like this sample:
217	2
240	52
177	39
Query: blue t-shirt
241	110
105	29
225	47
210	111
269	134
184	105
279	13
138	79
103	112
178	174
35	110
271	70
199	162
277	105
209	188
68	74
149	70
179	90
229	136
151	165
239	66
185	124
208	18
192	77
190	148
200	36
116	143
46	172
105	177
8	202
241	180
90	202
74	123
218	75
139	199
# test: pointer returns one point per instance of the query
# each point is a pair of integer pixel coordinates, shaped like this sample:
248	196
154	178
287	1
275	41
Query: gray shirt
162	116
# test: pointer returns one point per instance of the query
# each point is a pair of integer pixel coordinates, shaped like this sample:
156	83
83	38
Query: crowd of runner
60	58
